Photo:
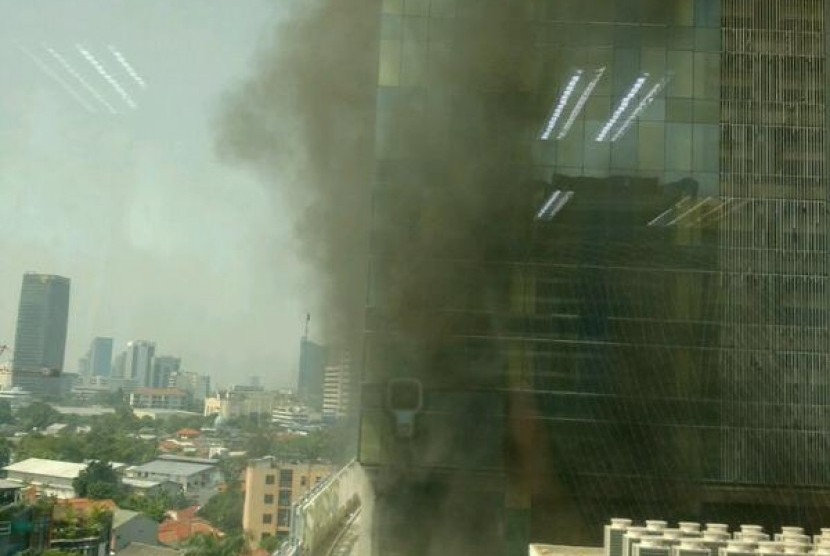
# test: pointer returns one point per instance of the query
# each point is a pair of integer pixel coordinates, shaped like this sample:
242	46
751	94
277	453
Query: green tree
270	543
6	412
224	511
99	480
211	545
37	415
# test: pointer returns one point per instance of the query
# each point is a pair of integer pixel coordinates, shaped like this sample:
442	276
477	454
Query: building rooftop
47	467
187	459
6	485
84	411
121	516
166	467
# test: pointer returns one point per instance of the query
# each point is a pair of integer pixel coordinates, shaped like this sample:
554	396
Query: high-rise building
100	357
138	362
119	365
165	368
598	280
337	390
310	380
40	337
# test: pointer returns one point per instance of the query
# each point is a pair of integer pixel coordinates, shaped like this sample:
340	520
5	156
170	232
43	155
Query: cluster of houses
39	508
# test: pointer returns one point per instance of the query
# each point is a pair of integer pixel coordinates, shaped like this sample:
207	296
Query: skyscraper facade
40	336
313	358
138	362
598	272
165	368
99	358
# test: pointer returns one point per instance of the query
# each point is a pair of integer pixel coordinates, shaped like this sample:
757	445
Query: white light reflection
647	100
62	61
107	77
557	200
622	107
127	66
580	104
58	79
560	105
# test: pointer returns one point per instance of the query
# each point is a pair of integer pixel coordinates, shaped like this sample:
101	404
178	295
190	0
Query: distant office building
138	362
158	398
40	337
337	391
195	384
312	369
256	381
119	365
271	487
164	368
99	358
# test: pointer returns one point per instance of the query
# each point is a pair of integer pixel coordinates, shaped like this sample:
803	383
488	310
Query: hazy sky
161	240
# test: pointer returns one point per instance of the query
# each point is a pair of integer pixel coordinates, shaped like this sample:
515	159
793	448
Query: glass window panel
681	38
655	112
390	27
416	7
684	12
415	29
679	110
707	75
652	146
597	155
442	8
624	151
393	6
389	69
440	30
707	147
707	13
706	111
570	152
626	69
653	61
678	147
707	40
680	63
414	64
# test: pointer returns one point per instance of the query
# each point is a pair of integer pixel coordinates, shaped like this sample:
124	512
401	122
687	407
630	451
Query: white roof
47	467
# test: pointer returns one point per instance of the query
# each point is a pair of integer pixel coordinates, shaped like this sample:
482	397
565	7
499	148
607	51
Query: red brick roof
189	433
180	525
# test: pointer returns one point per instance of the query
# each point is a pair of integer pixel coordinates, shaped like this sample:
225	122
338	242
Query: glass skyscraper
598	270
40	335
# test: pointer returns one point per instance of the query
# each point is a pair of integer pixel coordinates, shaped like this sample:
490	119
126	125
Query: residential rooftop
47	467
165	467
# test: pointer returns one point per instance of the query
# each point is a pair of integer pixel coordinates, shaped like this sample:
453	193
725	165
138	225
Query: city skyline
161	237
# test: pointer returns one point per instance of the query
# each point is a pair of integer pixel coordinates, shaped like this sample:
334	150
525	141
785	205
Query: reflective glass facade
599	244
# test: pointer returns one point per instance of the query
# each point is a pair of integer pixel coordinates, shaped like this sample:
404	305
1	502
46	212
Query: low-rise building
49	477
129	527
271	487
197	477
158	398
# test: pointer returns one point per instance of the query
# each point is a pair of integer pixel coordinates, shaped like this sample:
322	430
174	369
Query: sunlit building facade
598	274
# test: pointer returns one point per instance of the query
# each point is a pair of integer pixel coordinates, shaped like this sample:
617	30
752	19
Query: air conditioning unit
651	546
633	536
655	524
690	547
717	528
614	534
796	547
750	530
790	530
690	528
738	548
770	547
715	540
